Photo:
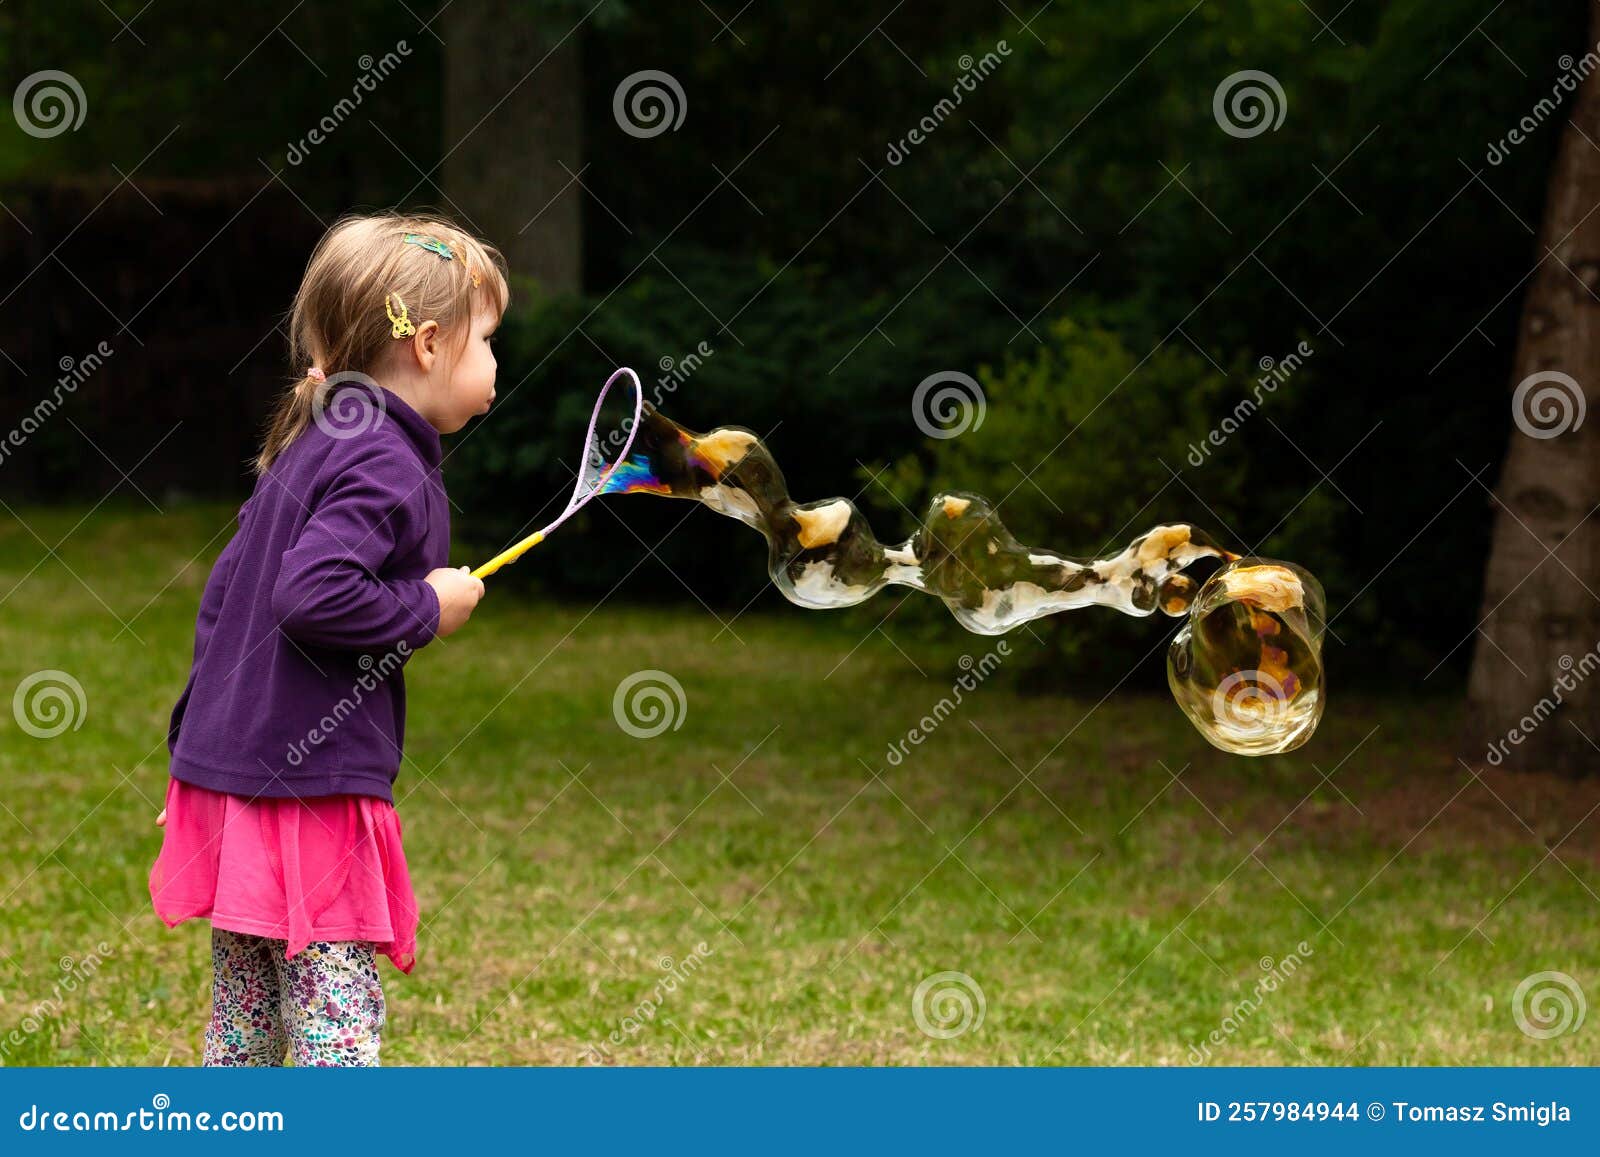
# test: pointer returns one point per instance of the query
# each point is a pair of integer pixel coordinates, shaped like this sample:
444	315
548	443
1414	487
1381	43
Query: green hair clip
431	244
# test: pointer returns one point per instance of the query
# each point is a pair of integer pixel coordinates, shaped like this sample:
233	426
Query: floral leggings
327	1002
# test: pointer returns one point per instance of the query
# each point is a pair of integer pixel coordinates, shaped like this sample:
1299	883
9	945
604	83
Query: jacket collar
423	436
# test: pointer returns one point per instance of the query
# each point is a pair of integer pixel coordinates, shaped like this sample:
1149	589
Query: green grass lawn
1109	913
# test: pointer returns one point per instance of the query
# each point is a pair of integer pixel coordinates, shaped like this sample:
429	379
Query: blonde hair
339	322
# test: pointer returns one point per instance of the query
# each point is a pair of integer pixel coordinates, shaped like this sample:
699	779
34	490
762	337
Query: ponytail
289	420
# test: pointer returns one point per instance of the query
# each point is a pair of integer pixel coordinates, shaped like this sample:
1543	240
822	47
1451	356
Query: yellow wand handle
509	556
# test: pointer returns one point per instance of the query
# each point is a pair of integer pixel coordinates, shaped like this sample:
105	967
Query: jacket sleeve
329	591
216	590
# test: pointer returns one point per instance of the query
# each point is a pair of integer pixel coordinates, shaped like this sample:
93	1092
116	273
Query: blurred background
1076	231
1283	270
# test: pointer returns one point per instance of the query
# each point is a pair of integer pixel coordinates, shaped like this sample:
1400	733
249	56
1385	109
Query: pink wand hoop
593	473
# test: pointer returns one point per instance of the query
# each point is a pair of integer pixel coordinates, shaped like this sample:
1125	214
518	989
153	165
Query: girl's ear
425	345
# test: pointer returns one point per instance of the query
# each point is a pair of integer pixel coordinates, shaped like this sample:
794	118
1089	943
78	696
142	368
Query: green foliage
1077	438
1084	445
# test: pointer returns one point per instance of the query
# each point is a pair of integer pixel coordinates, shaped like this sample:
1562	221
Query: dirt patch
1455	809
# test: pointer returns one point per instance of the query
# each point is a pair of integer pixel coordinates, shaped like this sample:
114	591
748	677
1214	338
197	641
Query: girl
279	819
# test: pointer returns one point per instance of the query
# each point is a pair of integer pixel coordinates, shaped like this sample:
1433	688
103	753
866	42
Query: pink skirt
298	870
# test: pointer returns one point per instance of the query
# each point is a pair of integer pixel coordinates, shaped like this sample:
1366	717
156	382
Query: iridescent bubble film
1246	667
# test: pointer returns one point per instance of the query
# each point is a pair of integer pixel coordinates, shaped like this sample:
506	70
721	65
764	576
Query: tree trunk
1534	693
514	139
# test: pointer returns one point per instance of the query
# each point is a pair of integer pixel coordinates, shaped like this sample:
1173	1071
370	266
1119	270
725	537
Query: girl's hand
161	820
458	594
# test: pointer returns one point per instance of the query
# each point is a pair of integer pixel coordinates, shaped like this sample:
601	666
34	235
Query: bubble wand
592	475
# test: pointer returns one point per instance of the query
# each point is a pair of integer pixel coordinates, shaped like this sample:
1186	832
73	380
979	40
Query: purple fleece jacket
311	612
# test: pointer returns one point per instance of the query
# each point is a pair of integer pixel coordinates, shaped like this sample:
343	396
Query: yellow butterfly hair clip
401	325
